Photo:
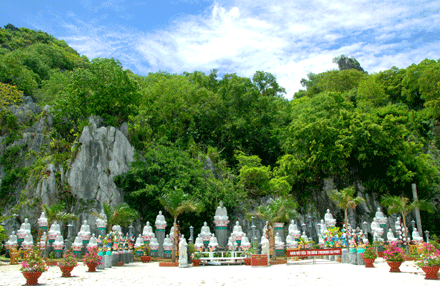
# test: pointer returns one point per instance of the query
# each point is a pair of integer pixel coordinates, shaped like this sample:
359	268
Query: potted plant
369	255
32	267
248	254
394	256
67	263
195	258
378	244
92	259
146	257
429	261
51	261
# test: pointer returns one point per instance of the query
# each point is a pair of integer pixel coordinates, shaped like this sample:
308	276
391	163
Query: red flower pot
32	277
66	270
369	262
196	262
92	267
247	261
145	259
431	272
394	265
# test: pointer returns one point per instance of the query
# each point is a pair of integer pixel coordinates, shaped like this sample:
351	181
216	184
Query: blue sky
286	38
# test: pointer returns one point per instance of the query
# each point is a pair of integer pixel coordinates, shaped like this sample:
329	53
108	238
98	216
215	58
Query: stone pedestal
107	261
58	254
360	260
280	252
279	228
353	258
345	257
160	235
221	232
115	259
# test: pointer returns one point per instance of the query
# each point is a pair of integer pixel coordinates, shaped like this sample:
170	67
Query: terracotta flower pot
66	270
431	272
369	262
247	261
196	262
394	265
32	277
92	267
145	258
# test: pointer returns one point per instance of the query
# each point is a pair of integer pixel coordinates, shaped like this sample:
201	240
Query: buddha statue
77	244
245	244
28	242
42	221
213	242
416	236
199	243
12	241
291	242
160	221
221	216
54	231
167	244
42	244
293	230
172	232
139	241
84	232
25	229
147	232
117	229
92	242
58	243
381	218
101	221
183	255
279	244
329	220
265	248
390	236
205	232
154	244
237	231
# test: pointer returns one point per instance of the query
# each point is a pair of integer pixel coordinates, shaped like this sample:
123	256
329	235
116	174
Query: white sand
322	273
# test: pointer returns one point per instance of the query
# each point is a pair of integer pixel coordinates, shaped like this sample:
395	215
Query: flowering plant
429	256
369	253
33	262
68	260
196	255
393	253
92	256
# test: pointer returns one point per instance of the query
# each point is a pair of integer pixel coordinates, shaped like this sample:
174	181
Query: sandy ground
301	273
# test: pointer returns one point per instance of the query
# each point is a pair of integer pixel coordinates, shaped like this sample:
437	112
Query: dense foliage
233	138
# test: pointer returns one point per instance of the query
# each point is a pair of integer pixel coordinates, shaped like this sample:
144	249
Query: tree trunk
272	242
173	254
405	229
346	228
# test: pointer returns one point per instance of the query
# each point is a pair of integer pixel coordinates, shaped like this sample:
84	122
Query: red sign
313	252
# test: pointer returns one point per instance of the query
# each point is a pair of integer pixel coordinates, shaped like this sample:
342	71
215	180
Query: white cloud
287	38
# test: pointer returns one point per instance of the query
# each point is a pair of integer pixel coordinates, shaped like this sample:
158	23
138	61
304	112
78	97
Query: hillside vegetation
233	138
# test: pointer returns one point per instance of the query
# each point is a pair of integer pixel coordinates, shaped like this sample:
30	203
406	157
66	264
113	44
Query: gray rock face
104	154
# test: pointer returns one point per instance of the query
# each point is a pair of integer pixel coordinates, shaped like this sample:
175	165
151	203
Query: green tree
175	203
400	204
122	215
281	209
345	200
267	84
345	63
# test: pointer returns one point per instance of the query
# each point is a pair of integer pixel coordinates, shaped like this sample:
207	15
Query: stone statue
199	243
54	231
183	254
291	242
245	244
101	221
160	221
205	232
77	244
84	232
42	221
154	244
265	248
28	242
147	232
172	232
329	220
381	218
390	235
279	244
117	229
213	242
25	229
167	244
12	242
139	241
231	245
293	230
237	232
92	242
416	236
221	216
43	237
59	242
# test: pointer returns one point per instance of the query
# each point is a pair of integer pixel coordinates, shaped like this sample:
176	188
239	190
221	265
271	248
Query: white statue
416	236
279	244
154	244
183	254
291	242
54	231
12	242
245	244
329	220
28	242
199	243
147	232
231	245
139	241
293	230
205	232
172	232
167	244
58	243
265	248
390	235
213	242
221	216
42	221
101	221
381	218
43	241
84	232
117	229
25	229
237	232
92	242
160	221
